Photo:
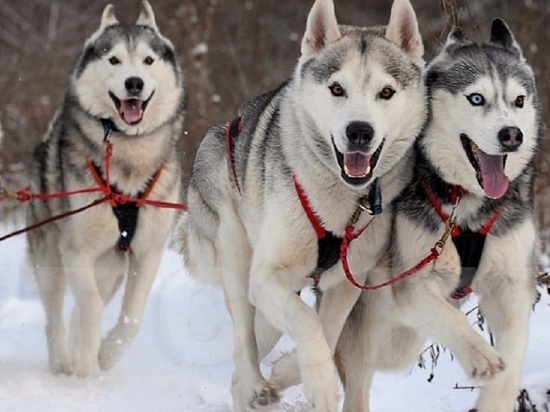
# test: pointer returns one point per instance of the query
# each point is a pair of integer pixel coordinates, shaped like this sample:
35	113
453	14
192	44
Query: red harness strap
330	247
471	240
232	129
319	229
125	208
456	192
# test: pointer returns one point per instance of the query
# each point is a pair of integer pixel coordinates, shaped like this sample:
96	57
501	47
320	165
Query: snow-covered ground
181	360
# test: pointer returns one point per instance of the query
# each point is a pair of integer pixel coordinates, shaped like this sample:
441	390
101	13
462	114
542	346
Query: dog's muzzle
131	110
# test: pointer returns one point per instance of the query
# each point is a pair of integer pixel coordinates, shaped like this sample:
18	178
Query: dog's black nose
134	85
359	135
510	138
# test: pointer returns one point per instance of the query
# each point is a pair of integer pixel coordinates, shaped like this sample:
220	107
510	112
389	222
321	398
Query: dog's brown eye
386	93
336	89
114	61
520	100
148	60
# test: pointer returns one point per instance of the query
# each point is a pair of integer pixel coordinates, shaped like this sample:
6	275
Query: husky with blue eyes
126	87
473	181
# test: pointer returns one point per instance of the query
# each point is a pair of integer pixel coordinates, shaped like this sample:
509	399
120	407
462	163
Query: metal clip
449	227
363	205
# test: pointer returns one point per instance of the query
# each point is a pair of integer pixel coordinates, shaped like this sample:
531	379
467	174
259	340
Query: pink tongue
495	182
356	164
131	110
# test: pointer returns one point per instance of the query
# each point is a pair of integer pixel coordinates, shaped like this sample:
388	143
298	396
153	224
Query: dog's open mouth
489	168
357	167
131	110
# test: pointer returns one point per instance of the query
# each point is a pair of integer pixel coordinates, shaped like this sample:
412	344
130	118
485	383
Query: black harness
126	212
468	244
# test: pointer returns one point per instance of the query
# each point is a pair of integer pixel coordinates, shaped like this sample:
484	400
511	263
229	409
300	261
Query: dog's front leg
506	289
334	307
508	317
284	308
85	331
51	279
141	274
421	306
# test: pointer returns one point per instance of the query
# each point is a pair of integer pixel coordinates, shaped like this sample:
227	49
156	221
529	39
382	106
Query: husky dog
271	194
128	84
475	170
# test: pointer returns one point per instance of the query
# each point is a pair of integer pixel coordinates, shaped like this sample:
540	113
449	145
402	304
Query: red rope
25	195
349	236
54	218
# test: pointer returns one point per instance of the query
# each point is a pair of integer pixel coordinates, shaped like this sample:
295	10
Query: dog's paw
109	353
61	366
83	369
321	386
481	362
59	361
265	399
285	372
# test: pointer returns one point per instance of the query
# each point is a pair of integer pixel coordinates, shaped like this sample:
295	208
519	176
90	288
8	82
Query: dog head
483	127
362	93
129	74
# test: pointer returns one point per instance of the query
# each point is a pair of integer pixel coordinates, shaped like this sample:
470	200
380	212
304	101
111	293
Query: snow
181	360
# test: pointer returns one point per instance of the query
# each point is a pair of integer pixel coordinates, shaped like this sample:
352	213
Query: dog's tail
198	252
179	237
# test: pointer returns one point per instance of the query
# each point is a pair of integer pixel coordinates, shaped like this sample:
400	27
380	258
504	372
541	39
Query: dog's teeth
475	150
348	173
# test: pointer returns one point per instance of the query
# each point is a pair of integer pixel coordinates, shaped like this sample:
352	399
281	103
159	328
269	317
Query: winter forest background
230	50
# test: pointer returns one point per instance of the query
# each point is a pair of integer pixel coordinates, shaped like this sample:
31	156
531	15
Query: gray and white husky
474	166
127	85
271	194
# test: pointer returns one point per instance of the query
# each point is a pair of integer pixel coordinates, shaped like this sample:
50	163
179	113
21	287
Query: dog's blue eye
476	99
114	61
336	89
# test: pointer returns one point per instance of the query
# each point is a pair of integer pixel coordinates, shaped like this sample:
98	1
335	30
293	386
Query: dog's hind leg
249	389
141	274
51	279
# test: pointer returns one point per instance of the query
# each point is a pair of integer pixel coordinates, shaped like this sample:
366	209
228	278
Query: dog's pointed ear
402	29
147	16
108	17
455	36
502	36
321	29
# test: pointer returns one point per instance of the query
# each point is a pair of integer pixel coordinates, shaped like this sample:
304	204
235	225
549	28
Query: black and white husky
272	193
126	84
474	169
